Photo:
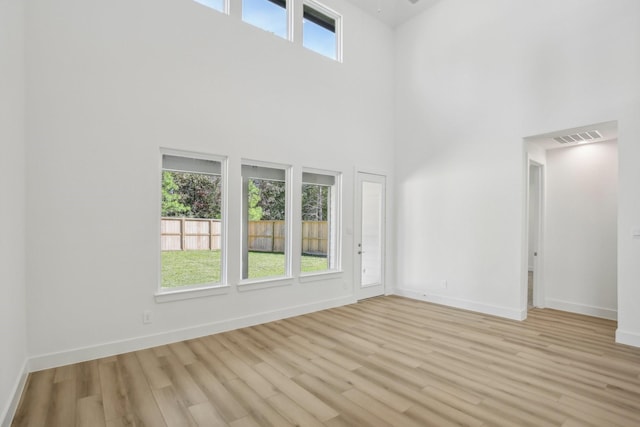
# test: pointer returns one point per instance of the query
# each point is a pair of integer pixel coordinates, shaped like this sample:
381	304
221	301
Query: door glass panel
372	193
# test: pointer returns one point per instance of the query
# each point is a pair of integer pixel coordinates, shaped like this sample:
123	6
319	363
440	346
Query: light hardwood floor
385	361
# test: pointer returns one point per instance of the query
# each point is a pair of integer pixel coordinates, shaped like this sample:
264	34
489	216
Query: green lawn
181	268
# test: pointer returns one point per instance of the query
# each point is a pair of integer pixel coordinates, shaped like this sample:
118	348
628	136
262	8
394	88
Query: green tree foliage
202	193
171	198
193	195
255	211
267	201
315	202
196	195
271	198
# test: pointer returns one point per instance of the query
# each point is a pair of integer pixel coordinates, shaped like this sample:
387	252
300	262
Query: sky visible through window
213	4
318	39
271	16
266	15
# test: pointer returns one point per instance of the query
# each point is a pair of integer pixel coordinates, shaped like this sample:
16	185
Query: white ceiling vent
577	138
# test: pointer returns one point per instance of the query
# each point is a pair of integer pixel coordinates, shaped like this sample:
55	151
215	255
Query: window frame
163	294
267	281
224	10
334	246
324	10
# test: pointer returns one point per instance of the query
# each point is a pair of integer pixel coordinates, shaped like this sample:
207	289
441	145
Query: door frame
538	261
357	269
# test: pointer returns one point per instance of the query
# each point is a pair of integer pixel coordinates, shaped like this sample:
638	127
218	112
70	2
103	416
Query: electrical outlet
146	317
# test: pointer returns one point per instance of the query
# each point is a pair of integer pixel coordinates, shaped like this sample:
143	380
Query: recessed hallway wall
581	221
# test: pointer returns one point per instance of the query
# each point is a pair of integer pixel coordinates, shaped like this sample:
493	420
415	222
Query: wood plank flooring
387	361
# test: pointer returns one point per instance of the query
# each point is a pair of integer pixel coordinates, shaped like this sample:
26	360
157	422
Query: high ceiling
393	12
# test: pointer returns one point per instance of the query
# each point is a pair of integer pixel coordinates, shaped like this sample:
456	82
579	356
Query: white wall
581	229
111	82
13	332
473	79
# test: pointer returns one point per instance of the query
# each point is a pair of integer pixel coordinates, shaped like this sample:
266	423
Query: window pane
265	231
213	4
315	227
319	32
319	224
270	15
191	222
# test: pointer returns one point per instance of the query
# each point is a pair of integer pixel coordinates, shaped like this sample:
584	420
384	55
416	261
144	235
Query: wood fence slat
189	234
264	236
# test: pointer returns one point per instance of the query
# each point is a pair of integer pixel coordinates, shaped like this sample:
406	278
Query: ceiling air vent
579	137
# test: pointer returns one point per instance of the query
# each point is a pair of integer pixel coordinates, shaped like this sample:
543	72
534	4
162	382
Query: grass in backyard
309	263
182	268
265	264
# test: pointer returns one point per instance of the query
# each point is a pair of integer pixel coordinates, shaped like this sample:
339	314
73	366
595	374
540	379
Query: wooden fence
266	236
189	234
315	237
183	234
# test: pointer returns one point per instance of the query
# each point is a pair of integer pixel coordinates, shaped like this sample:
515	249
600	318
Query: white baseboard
605	313
53	360
628	338
7	414
493	310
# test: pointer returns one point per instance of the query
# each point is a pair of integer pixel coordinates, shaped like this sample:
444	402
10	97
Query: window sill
182	294
319	276
255	284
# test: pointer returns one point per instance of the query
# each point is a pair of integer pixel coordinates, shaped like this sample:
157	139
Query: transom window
218	5
321	30
270	15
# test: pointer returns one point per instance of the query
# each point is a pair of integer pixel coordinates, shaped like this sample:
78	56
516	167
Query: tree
194	195
255	211
201	192
267	201
315	202
171	197
271	198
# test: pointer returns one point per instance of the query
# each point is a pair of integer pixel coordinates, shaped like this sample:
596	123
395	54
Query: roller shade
319	18
261	172
189	164
318	179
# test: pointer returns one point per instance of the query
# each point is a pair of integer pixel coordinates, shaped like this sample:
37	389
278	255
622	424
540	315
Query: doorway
370	235
569	255
535	212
